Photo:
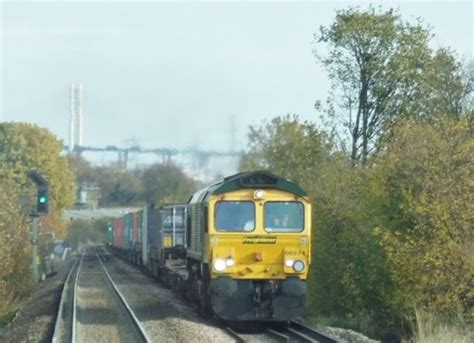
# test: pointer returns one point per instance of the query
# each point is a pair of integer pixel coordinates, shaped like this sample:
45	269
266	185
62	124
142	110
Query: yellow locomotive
249	247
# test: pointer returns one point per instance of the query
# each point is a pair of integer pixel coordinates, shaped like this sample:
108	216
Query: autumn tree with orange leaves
25	147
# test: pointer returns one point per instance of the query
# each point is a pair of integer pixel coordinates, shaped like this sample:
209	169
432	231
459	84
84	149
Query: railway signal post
41	209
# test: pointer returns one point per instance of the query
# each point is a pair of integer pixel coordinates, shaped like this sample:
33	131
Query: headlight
298	266
219	265
289	263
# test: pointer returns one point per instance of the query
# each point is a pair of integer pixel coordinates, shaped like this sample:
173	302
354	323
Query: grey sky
172	74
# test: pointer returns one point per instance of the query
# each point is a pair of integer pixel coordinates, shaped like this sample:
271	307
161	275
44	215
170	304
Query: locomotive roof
255	179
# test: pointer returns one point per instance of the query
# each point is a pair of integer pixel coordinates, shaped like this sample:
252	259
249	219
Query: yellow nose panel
259	259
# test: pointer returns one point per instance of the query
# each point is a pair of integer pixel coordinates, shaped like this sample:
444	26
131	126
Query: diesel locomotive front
249	247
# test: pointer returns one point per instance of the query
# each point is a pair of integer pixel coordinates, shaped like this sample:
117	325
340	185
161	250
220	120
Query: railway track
308	333
235	335
291	332
62	331
299	332
93	309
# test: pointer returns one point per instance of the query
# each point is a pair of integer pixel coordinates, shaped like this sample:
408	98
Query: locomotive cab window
284	216
235	216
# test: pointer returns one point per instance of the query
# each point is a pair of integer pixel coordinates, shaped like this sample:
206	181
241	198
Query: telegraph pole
42	200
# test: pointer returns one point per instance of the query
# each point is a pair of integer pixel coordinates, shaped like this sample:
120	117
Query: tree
166	183
446	89
83	171
287	147
15	253
25	147
83	231
425	176
382	69
159	183
118	186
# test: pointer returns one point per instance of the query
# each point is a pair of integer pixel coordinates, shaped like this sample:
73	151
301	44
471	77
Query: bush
423	179
15	251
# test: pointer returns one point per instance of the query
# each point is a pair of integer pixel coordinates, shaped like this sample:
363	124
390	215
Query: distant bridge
201	155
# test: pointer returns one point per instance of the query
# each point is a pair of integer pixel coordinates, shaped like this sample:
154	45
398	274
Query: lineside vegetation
392	182
25	147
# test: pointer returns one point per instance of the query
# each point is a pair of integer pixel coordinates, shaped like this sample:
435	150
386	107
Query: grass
6	318
8	308
428	327
432	329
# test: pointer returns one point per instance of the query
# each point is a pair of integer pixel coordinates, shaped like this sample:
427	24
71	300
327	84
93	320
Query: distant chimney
75	119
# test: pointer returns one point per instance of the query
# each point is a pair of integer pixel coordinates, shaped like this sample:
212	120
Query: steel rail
74	304
234	334
308	333
62	301
279	336
301	336
135	320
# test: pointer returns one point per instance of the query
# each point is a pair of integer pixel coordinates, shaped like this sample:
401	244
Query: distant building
88	197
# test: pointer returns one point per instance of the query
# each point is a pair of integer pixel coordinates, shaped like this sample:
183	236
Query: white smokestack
71	118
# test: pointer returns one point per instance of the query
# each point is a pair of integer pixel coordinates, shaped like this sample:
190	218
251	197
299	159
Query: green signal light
43	200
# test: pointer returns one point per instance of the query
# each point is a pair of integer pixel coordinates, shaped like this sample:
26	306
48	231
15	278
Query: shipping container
153	248
118	233
128	231
153	227
135	254
144	236
137	223
173	230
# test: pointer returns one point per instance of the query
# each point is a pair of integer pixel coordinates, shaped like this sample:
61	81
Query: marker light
289	263
298	266
259	194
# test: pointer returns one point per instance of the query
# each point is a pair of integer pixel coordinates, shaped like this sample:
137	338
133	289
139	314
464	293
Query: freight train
240	248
